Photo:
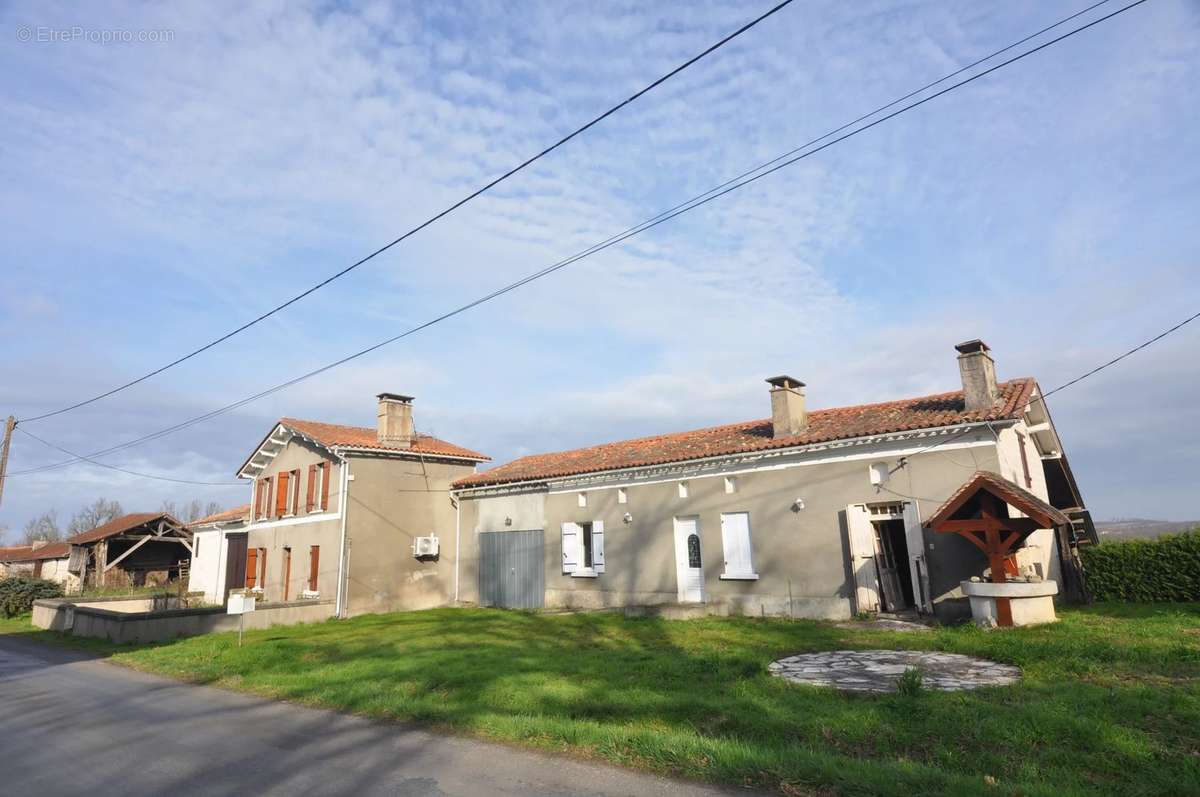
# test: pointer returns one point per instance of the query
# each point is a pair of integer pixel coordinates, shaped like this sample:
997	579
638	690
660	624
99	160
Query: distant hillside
1140	528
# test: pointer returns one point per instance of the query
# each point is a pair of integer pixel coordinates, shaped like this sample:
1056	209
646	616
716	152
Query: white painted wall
206	568
1040	550
56	570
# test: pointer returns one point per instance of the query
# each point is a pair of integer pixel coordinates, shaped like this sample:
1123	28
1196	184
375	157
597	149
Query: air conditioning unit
425	547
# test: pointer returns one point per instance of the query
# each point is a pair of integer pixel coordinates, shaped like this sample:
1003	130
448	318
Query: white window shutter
735	537
598	546
570	547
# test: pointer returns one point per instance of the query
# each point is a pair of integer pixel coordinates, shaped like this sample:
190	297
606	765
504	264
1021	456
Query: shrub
1162	570
17	593
911	682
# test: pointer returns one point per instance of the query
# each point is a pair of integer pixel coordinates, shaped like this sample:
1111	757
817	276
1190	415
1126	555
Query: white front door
688	564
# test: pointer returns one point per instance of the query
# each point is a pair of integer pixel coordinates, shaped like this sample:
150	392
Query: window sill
739	576
584	574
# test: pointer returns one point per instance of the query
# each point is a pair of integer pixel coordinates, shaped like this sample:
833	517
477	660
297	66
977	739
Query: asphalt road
74	725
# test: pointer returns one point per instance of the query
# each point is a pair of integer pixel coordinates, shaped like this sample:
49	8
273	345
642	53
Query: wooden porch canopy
137	529
979	511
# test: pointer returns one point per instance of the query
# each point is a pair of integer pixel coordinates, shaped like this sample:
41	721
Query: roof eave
847	441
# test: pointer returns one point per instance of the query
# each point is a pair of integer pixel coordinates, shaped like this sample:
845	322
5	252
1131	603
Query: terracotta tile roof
925	412
119	526
27	553
1015	496
334	435
54	550
237	513
15	553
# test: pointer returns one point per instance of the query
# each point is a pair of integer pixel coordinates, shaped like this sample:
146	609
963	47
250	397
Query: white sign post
239	604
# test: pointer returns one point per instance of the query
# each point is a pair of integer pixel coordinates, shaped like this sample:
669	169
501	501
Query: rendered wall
802	552
390	503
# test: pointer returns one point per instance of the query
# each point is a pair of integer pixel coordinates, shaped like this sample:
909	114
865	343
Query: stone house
814	513
358	516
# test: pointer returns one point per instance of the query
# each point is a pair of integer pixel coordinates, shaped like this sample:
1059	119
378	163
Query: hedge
1159	571
17	593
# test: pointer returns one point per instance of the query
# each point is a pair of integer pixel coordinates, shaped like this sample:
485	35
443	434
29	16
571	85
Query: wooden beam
972	524
110	565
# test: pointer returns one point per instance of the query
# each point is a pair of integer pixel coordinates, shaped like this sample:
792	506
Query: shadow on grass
1104	705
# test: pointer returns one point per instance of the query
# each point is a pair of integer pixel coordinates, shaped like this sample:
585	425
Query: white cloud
164	194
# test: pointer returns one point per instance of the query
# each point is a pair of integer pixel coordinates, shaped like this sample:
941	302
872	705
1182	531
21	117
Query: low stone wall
120	624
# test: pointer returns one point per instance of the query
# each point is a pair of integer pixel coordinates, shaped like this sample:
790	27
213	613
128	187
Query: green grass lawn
1109	704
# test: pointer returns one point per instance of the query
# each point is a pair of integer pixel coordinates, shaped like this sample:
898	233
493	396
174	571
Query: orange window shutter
281	496
325	485
260	494
262	567
312	485
314	558
251	568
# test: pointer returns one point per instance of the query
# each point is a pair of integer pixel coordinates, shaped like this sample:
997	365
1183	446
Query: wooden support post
101	562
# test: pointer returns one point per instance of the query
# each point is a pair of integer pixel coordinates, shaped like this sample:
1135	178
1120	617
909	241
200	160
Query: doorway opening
891	557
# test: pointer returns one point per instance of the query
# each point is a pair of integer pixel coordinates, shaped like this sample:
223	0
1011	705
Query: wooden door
235	563
862	559
889	575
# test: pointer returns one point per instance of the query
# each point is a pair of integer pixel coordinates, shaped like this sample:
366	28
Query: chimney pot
395	421
978	371
789	417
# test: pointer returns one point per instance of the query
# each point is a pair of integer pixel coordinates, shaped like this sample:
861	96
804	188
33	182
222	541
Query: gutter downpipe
343	505
457	540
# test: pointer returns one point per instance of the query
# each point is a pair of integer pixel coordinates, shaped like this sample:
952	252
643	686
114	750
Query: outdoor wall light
628	518
798	505
508	521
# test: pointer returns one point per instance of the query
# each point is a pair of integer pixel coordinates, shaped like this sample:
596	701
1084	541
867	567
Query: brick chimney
395	420
978	371
788	414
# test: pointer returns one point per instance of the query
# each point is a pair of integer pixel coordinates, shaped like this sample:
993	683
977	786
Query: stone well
1032	602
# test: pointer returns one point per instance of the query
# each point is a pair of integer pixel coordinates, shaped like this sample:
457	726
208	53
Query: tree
42	527
94	514
191	511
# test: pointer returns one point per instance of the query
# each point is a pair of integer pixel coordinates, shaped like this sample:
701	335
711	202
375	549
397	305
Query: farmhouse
355	515
814	513
40	560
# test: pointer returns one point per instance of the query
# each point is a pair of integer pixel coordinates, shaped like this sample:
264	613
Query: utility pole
8	430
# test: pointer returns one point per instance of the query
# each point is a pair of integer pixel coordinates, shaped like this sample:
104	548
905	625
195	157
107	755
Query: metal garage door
512	569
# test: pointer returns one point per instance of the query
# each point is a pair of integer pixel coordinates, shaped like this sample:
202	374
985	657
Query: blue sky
158	194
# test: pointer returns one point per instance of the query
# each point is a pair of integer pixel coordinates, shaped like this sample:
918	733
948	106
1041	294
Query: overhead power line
758	173
437	216
1042	398
82	458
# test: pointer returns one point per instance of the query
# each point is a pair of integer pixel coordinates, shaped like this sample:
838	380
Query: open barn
149	548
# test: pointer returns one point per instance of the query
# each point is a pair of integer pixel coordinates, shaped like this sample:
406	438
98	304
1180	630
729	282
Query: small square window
622	496
731	484
683	489
583	499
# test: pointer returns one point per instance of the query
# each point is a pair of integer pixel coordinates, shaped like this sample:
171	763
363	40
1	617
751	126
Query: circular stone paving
877	670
